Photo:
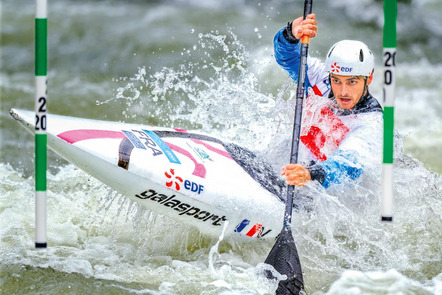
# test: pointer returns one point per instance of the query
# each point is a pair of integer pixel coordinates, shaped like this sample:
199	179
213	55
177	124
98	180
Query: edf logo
193	187
337	69
177	181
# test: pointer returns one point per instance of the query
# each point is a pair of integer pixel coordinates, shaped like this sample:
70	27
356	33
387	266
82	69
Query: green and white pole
41	56
389	43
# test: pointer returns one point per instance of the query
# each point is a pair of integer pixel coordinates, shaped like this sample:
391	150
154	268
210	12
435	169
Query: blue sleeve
287	54
341	167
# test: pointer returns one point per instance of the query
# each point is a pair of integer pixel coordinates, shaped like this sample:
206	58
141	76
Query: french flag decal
256	230
242	225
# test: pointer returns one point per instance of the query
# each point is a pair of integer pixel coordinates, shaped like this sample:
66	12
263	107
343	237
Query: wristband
317	173
287	33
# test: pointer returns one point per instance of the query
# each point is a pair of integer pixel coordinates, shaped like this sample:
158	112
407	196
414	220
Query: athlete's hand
306	27
296	174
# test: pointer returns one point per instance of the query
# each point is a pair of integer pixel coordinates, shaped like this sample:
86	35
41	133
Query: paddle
284	256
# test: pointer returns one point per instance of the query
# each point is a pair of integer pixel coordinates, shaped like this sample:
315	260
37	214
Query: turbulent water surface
209	66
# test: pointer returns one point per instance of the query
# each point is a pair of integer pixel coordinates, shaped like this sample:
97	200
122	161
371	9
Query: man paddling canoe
342	137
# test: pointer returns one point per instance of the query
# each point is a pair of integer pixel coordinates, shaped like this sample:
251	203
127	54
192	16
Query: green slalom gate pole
40	122
389	43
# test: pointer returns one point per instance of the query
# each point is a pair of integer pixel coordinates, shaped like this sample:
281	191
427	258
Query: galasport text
181	208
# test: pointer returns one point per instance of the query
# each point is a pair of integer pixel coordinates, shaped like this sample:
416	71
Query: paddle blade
284	258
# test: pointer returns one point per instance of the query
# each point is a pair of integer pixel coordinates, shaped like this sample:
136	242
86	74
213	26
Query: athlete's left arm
359	151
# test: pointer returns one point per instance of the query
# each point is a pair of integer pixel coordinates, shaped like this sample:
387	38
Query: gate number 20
40	116
390	61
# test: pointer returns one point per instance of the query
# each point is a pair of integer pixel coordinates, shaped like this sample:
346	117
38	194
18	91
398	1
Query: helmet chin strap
365	88
330	94
365	92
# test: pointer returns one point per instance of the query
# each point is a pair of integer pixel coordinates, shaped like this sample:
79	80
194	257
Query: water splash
212	90
214	249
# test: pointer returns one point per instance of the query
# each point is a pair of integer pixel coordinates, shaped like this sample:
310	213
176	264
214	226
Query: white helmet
350	58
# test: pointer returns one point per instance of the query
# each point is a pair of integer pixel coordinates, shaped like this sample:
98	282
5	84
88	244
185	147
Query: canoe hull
189	177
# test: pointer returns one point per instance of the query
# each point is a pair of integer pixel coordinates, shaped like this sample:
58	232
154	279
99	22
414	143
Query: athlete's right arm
287	48
287	53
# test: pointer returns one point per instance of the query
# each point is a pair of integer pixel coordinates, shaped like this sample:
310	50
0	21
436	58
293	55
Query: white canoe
192	178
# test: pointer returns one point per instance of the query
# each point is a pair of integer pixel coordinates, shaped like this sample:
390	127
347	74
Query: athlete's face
348	89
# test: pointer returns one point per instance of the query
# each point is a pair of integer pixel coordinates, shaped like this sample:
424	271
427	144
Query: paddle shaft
284	256
298	113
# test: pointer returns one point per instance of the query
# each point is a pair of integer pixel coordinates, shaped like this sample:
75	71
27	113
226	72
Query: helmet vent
361	56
